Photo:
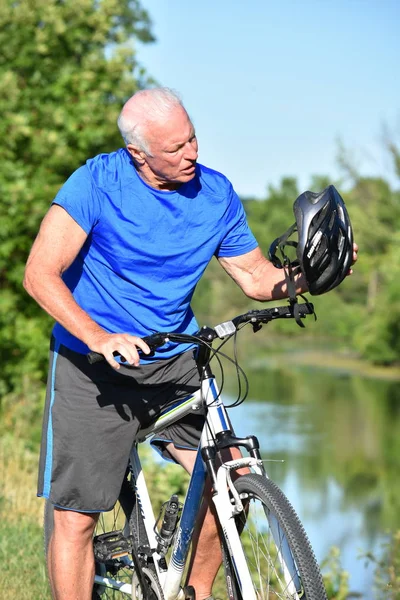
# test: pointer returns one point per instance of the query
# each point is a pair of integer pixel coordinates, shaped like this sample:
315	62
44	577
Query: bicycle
266	552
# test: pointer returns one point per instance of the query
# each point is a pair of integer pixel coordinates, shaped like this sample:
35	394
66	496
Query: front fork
228	505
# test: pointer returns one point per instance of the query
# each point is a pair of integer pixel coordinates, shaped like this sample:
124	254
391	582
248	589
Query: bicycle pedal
109	535
119	554
111	545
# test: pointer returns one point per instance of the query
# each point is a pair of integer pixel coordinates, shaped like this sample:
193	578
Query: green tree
271	217
375	212
378	337
66	68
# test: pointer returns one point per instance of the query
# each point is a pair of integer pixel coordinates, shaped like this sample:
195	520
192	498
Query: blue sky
272	85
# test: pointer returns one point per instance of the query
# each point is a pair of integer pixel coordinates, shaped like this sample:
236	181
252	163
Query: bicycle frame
217	435
217	422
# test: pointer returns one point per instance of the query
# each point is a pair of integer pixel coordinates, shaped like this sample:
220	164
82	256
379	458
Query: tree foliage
66	68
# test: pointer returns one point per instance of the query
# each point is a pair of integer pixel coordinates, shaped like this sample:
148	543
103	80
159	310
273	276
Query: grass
21	534
23	570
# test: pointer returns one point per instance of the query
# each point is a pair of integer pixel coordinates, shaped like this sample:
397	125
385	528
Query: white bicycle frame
216	422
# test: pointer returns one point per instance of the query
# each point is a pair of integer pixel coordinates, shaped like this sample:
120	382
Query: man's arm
258	278
59	240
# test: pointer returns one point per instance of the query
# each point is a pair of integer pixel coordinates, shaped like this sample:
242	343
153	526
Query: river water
339	438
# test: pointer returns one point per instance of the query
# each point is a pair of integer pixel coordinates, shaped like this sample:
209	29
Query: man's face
173	147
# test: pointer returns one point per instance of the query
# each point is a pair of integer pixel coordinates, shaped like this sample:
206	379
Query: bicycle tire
126	510
267	507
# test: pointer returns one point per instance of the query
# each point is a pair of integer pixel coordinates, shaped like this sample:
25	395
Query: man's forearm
279	289
258	278
269	283
51	293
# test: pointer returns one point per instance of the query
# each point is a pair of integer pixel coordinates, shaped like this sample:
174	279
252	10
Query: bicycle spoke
119	569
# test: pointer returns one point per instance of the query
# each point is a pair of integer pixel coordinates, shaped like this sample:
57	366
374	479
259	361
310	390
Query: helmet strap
291	288
290	268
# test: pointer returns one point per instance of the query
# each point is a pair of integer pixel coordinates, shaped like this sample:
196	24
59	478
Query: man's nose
191	151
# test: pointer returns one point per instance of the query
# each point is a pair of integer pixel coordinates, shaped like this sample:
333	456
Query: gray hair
144	107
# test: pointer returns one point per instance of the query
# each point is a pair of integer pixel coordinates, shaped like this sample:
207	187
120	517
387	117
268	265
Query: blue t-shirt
146	249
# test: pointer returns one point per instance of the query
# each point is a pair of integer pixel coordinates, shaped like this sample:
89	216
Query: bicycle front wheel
279	556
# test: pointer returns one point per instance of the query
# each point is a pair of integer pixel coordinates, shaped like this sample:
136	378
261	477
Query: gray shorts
92	416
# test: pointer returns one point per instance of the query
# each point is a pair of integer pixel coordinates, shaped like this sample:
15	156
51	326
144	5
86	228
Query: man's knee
74	525
184	457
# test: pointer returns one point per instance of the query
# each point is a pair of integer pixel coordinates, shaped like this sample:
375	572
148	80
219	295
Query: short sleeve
79	197
238	238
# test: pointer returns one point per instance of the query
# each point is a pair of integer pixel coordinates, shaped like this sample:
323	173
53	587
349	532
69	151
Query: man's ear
138	155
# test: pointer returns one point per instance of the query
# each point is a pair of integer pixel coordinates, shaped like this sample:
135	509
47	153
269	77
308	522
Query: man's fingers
128	353
111	361
129	349
142	345
126	346
355	252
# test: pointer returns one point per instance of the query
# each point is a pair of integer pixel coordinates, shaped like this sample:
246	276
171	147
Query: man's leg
88	429
70	559
206	546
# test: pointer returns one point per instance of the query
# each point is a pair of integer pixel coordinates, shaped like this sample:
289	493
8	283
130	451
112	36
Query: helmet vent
341	240
320	250
317	221
314	244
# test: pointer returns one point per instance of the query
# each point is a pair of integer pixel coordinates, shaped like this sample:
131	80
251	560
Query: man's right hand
123	343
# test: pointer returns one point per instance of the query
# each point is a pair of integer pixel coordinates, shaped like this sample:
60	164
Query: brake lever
256	326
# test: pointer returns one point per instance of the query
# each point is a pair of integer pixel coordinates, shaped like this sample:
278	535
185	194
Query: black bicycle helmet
325	240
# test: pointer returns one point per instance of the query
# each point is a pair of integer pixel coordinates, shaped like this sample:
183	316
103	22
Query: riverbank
283	352
334	362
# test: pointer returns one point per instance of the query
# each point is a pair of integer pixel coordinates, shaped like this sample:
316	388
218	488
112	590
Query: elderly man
118	256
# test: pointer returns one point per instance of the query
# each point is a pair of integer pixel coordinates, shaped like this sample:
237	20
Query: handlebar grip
306	309
288	311
153	341
95	357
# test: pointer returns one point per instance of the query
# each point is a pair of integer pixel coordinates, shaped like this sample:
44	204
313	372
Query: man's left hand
355	256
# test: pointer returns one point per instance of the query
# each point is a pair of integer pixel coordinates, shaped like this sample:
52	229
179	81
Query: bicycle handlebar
277	312
222	330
